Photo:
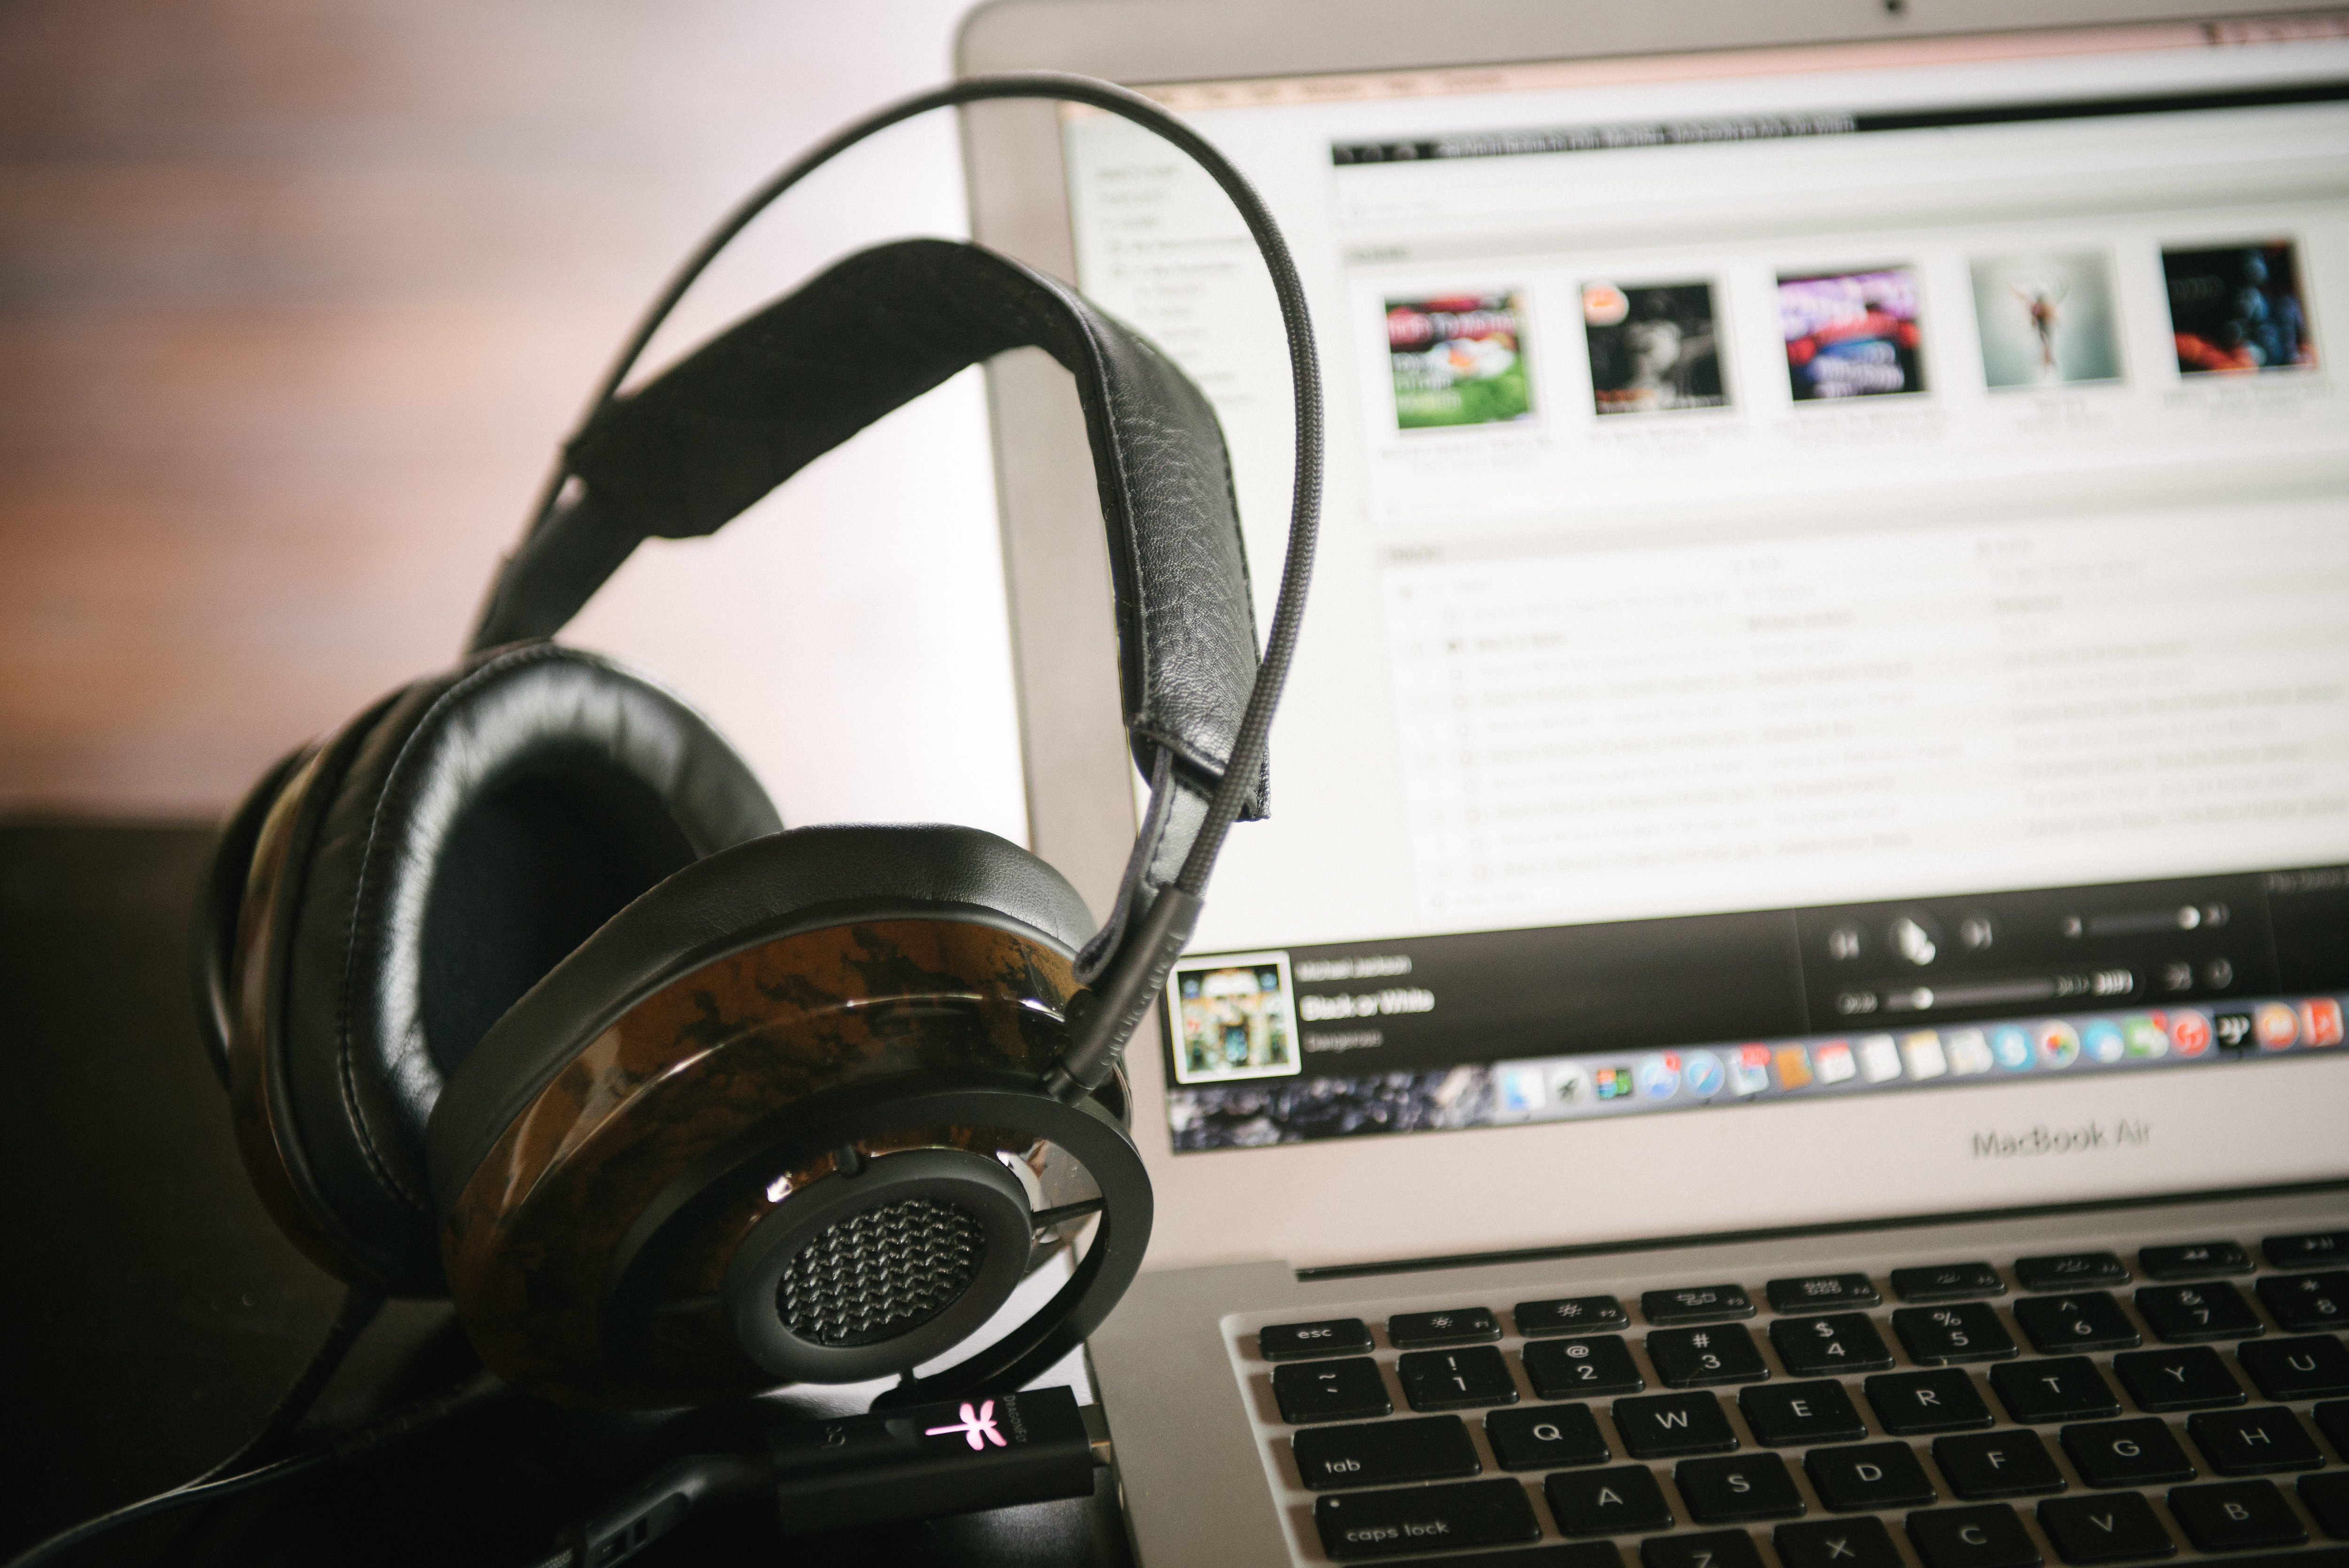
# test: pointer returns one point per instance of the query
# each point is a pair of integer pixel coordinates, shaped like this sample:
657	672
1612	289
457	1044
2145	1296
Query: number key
1579	1368
2091	1320
1961	1331
1455	1379
1700	1357
1841	1342
2303	1302
2183	1314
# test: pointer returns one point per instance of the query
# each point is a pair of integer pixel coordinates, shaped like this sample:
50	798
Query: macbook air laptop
1790	1008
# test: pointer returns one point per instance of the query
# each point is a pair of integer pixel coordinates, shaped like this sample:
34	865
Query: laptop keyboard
2074	1408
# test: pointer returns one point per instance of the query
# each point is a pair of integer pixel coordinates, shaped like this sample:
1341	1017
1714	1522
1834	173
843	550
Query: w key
2091	1320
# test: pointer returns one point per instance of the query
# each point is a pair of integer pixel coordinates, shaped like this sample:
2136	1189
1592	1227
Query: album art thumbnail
2046	318
1458	359
2237	309
1653	347
1851	335
1235	1018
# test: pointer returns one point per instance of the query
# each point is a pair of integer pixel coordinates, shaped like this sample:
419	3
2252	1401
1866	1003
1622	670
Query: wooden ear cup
825	1157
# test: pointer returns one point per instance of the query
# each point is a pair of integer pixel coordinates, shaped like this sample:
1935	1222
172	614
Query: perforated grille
881	1273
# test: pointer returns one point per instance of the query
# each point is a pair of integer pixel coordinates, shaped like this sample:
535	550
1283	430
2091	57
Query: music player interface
1833	580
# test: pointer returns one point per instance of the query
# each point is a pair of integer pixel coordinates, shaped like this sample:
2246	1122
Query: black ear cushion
490	820
807	878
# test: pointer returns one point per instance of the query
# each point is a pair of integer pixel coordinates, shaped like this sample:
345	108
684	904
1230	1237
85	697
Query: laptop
1790	1008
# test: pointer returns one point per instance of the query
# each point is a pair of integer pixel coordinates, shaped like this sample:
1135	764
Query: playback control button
1368	1524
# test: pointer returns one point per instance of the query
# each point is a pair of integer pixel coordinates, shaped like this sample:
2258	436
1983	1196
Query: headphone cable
211	1487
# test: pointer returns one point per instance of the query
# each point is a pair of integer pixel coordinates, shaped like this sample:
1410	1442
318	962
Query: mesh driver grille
881	1273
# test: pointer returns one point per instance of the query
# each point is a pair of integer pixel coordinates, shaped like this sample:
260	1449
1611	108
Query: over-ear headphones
522	994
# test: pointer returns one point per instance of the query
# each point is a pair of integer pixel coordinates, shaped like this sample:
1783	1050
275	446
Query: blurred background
297	300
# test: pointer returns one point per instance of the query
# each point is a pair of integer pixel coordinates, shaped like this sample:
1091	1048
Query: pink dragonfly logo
979	1428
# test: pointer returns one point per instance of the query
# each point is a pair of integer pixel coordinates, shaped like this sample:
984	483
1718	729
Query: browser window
1833	573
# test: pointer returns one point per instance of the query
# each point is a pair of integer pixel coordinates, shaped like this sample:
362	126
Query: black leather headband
697	446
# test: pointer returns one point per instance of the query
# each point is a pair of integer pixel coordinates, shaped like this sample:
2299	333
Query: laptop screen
1833	577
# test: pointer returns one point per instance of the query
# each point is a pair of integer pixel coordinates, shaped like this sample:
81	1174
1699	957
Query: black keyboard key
2236	1516
1984	1465
2326	1497
2306	1303
1570	1315
1820	1292
2308	1250
1384	1453
1292	1341
1703	1357
2070	1271
2118	1527
2125	1453
1696	1303
2313	1368
1349	1390
2189	1314
1550	1438
1796	1415
1462	1325
1869	1476
2058	1388
1455	1379
1917	1404
1817	1346
1362	1524
2194	1260
1625	1501
1581	1369
2263	1440
1947	1282
2088	1320
1987	1535
1736	1489
1961	1331
2333	1417
1713	1549
2193	1378
1666	1425
1861	1543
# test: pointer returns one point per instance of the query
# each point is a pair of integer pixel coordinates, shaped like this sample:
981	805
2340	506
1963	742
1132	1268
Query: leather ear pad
489	822
803	880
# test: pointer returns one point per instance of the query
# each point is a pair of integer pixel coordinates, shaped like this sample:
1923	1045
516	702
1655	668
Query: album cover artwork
1458	359
1851	335
2237	309
1235	1018
2046	318
1653	347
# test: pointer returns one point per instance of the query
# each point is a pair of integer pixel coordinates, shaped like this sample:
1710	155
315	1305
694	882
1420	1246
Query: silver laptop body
1811	817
